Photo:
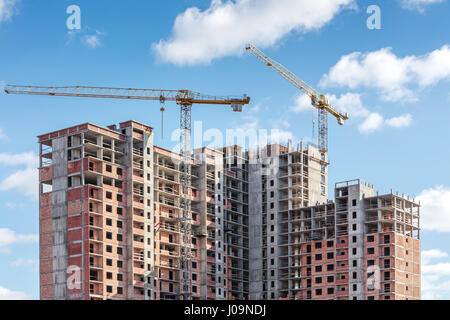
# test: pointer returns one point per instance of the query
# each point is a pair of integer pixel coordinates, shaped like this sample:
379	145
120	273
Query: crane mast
318	100
185	99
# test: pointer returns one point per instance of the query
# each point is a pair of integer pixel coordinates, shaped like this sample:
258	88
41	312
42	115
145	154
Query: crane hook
162	121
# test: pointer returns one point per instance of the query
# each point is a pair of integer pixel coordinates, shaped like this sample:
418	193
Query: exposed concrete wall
356	219
356	243
218	171
129	217
203	229
272	227
59	216
149	215
255	231
318	188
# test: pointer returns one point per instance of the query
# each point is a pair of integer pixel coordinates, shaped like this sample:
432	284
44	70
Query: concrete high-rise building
109	216
262	224
236	219
281	180
361	246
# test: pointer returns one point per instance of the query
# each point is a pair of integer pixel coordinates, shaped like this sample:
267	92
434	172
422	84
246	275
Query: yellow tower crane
318	101
185	99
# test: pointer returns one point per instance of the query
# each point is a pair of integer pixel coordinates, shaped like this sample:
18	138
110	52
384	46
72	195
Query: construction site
138	221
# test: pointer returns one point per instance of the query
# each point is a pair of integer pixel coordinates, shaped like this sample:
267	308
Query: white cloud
418	5
28	159
223	29
435	210
23	262
351	103
347	103
433	254
9	237
7	9
403	121
302	104
435	277
373	122
24	181
391	75
279	132
87	36
6	294
439	269
430	69
435	287
92	41
14	205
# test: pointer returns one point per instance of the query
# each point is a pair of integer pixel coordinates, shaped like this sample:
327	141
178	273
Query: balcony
139	216
138	203
138	152
342	245
138	177
95	194
95	262
166	165
138	268
341	281
138	165
137	256
138	231
342	293
138	135
210	223
169	253
96	290
342	257
138	244
211	282
342	268
139	284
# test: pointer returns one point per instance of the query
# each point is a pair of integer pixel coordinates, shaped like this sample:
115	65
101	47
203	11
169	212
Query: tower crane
318	101
185	99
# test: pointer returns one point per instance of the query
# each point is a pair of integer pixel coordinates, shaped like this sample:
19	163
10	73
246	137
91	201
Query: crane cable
162	100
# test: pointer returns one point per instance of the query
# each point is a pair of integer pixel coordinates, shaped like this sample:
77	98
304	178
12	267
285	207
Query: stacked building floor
262	224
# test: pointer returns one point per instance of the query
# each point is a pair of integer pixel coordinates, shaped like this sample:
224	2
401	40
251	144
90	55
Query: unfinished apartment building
362	246
236	219
262	224
110	216
281	180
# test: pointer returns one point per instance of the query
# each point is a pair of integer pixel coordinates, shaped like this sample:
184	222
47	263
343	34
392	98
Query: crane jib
317	100
181	97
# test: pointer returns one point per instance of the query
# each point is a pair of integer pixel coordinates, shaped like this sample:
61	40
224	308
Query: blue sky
394	82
